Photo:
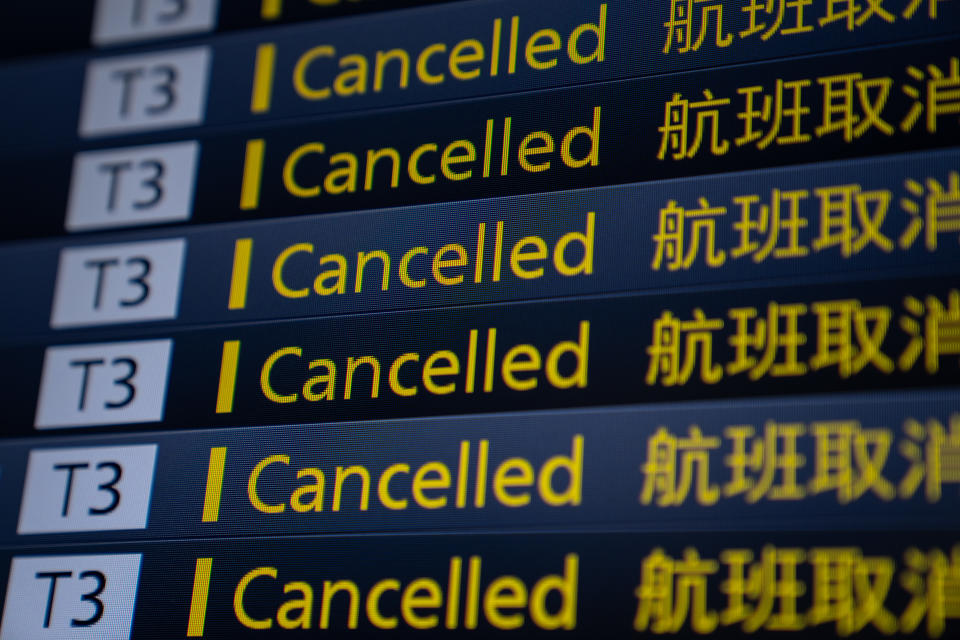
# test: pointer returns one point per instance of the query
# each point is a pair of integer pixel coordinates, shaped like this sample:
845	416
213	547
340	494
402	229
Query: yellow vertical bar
468	384
471	613
487	147
480	490
481	238
462	474
263	78
228	376
242	252
453	597
514	35
270	9
489	360
495	48
505	149
198	601
211	498
252	173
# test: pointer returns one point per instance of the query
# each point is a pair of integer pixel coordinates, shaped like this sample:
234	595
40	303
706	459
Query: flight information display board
368	318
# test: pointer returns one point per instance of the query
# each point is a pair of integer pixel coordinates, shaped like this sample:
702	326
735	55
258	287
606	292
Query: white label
91	489
132	186
134	93
110	383
115	283
127	20
71	597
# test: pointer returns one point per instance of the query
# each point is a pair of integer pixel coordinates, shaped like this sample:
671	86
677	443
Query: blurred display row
776	584
488	47
896	214
885	462
824	335
899	98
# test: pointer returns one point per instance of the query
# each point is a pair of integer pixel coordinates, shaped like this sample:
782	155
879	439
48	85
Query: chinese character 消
911	9
938	335
940	95
933	581
934	455
939	212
